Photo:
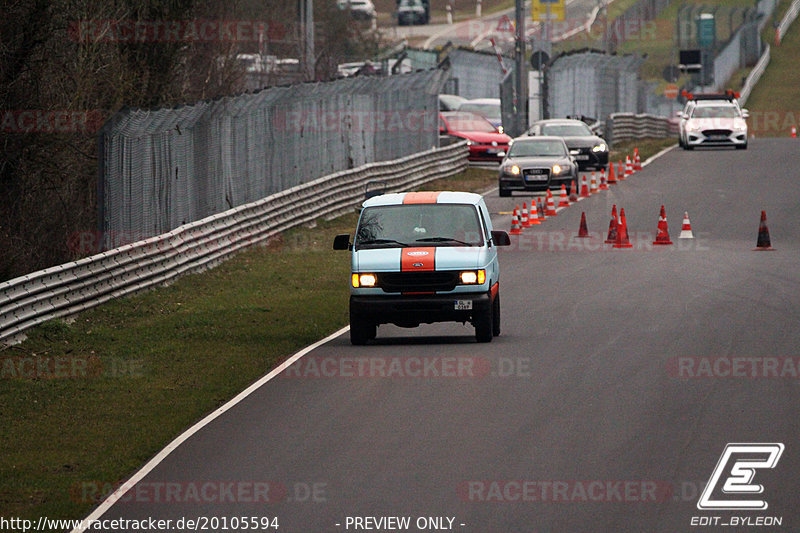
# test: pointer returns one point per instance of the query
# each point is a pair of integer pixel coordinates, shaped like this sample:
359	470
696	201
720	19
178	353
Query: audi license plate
463	305
582	157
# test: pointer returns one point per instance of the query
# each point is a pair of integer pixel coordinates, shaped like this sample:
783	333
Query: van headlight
364	280
473	277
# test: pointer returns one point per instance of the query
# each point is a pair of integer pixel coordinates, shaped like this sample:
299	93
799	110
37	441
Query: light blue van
424	257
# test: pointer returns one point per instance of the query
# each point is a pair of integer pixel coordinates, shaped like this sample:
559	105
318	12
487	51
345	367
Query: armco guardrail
67	289
754	76
623	127
788	18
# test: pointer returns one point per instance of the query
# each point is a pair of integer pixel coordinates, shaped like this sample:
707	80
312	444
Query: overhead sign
557	11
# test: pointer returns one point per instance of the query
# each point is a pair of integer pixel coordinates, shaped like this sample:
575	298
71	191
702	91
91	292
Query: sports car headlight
470	143
600	148
514	169
500	129
472	277
364	280
557	169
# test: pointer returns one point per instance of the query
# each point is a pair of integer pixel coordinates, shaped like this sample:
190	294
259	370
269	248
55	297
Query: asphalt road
594	398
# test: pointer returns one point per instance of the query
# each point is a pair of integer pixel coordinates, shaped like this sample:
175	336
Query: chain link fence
593	84
476	74
642	11
164	168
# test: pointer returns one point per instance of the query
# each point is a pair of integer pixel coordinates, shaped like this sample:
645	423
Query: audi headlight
557	169
600	148
364	280
514	169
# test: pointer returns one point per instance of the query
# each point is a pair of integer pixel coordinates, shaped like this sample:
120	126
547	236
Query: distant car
411	12
588	149
488	108
361	9
537	164
484	141
450	102
712	120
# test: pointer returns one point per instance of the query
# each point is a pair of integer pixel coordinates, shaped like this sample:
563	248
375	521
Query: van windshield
419	225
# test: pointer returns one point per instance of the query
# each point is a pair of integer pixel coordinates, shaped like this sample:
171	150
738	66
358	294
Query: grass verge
647	148
86	403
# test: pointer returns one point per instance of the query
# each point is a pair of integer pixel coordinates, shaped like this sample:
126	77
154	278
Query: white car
713	120
363	9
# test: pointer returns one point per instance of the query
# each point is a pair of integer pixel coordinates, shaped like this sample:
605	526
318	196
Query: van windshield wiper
383	241
444	239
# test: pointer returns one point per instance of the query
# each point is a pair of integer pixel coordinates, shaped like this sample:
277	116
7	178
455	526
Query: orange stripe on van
421	197
418	260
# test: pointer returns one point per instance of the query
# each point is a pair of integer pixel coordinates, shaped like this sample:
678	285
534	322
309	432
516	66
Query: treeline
68	65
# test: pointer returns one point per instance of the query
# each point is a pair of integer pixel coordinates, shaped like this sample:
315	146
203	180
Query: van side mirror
501	238
341	242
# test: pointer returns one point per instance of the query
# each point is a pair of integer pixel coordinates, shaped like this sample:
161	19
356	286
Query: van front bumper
411	310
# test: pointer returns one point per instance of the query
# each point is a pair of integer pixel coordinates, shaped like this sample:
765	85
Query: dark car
484	141
412	12
589	150
537	164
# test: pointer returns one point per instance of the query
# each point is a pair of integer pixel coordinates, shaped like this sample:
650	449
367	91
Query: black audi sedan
588	149
536	164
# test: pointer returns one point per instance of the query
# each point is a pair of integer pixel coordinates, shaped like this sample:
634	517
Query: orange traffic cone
622	232
540	208
584	187
621	171
583	231
533	219
686	228
551	205
593	189
563	201
637	162
662	237
794	132
603	182
612	226
628	167
612	180
515	229
524	221
573	193
763	243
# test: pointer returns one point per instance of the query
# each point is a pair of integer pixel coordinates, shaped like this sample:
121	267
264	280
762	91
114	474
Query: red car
485	142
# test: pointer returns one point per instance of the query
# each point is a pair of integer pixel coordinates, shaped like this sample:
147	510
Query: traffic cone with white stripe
533	219
593	189
584	187
573	193
612	226
515	228
612	180
637	162
662	237
794	132
551	205
523	221
686	228
621	171
603	182
583	231
628	167
563	201
622	232
763	243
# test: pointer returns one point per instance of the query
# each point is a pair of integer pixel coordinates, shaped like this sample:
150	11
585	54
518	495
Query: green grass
647	148
773	103
150	365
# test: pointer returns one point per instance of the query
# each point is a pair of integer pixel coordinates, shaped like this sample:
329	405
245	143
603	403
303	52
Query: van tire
361	330
484	325
496	316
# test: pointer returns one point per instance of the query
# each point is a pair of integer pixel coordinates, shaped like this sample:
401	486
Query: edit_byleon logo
739	462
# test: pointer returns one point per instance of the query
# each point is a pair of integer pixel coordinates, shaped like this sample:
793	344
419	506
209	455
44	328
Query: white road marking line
155	461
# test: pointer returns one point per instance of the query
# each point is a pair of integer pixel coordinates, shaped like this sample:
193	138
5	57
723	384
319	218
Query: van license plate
463	305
